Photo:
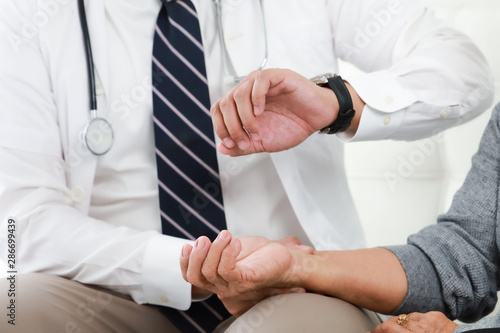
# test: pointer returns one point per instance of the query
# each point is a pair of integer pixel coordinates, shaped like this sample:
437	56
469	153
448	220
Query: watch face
323	78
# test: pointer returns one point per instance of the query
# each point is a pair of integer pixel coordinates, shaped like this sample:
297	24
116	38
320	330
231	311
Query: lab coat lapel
312	218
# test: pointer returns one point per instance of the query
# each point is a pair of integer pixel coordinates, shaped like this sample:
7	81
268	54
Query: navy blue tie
189	184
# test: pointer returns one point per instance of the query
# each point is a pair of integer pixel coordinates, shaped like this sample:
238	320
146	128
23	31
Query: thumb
227	266
261	86
304	248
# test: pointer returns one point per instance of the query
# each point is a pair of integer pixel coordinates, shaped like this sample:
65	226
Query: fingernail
200	243
298	290
222	235
255	136
242	144
185	250
228	143
256	110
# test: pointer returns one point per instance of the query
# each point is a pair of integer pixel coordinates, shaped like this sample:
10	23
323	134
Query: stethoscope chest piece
98	136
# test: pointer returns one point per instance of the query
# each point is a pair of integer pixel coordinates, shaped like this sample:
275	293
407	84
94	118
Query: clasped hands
243	271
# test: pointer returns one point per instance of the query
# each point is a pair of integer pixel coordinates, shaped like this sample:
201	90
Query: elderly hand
430	322
242	271
271	110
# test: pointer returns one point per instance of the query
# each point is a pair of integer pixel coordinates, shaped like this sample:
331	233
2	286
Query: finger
282	291
227	266
268	83
432	321
196	259
243	97
412	324
390	326
415	320
290	241
211	263
230	113
304	248
219	126
227	146
260	88
295	243
235	151
184	260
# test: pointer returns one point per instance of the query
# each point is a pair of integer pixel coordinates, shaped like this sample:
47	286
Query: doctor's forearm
371	278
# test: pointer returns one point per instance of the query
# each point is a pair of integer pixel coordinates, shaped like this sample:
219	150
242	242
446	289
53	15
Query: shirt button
387	120
164	299
443	113
78	194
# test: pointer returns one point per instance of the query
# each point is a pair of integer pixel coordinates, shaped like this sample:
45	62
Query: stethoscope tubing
98	134
100	128
89	57
228	78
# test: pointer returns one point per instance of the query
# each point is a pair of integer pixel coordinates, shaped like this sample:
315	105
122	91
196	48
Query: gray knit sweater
454	266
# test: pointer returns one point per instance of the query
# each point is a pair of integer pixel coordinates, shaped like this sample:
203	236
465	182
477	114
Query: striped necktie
189	185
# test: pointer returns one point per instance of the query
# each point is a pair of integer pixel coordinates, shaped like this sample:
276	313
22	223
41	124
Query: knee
38	301
17	293
304	313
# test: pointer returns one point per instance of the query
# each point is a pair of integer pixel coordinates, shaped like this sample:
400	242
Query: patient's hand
430	322
242	271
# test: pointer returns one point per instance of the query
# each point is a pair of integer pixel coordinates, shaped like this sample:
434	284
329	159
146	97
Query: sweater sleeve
453	266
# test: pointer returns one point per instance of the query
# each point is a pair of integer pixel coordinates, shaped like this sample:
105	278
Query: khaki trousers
50	304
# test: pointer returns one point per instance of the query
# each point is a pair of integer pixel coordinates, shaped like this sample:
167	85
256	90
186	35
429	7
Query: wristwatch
346	111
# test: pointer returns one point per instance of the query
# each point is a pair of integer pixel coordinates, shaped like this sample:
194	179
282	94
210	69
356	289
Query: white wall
431	169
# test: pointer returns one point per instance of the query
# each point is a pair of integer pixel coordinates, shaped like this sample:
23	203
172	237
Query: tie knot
184	3
167	1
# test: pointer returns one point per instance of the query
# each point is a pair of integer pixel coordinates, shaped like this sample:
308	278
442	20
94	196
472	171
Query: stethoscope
98	134
228	78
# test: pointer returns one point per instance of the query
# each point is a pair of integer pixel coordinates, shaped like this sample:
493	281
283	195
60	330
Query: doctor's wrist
330	107
358	106
341	101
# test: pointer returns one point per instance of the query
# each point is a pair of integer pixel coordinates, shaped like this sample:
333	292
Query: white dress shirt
116	240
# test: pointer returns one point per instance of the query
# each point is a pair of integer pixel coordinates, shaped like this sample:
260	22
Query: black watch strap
346	111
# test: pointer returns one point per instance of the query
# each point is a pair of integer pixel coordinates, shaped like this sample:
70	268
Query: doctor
83	220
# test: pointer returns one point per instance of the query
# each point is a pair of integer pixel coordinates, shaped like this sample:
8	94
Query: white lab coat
300	37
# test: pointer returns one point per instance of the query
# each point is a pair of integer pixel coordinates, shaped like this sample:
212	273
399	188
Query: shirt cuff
386	101
375	125
162	279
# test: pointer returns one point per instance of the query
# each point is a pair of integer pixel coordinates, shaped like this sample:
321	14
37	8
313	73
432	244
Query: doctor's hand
273	110
242	272
430	322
